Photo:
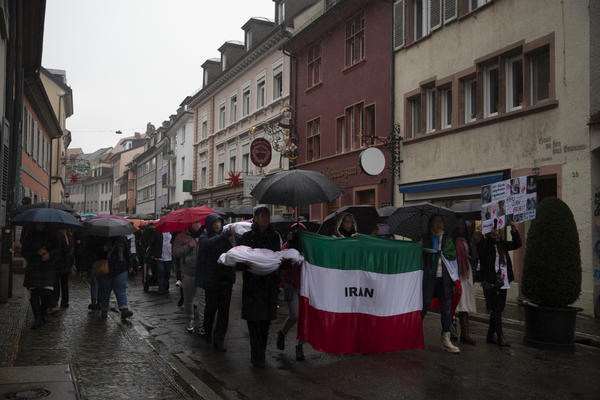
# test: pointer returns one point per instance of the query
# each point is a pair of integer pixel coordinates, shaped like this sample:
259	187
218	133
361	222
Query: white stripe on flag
332	290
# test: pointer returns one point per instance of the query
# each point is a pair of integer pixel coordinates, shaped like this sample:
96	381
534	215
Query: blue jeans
163	269
93	286
442	289
116	283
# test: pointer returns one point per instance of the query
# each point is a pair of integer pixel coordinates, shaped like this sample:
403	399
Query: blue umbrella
56	218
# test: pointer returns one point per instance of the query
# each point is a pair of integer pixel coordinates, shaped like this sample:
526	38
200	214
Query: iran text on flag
361	294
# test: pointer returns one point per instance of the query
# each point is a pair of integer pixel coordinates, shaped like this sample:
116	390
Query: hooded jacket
210	246
338	226
181	249
259	292
40	273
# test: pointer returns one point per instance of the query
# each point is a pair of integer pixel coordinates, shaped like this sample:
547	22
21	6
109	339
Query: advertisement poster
505	201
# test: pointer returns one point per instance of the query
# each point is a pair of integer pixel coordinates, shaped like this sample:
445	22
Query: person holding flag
437	281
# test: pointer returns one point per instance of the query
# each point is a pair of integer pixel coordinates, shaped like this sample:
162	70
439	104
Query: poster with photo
509	200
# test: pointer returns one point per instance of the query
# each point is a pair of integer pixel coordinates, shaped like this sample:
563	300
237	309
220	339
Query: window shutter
435	14
399	23
450	10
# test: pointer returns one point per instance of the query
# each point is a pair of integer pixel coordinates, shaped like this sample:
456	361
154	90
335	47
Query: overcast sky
130	62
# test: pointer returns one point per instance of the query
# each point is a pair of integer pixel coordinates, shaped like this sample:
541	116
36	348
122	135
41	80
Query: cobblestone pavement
109	359
154	357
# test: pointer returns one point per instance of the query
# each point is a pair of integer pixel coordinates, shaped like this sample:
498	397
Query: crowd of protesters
193	254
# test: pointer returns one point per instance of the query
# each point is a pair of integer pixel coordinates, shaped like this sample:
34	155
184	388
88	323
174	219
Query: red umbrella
180	219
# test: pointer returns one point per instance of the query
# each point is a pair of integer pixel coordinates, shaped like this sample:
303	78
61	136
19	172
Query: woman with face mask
496	274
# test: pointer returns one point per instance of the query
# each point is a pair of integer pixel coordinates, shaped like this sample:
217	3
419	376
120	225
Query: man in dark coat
41	249
61	286
259	293
216	280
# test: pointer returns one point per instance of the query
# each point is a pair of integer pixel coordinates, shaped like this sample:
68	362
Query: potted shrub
551	276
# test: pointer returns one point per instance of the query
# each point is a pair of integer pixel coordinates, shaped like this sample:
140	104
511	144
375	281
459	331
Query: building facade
144	165
478	102
122	154
244	93
342	99
180	155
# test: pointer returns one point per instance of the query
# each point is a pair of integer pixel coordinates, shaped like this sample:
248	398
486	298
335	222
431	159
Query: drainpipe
392	119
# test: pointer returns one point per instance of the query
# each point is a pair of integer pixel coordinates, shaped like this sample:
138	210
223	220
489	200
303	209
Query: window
340	130
514	83
246	102
470	88
313	134
355	39
475	4
415	116
203	177
204	129
540	75
314	65
183	134
446	105
223	61
359	126
245	163
280	12
399	23
369	124
490	90
232	165
182	165
260	93
222	116
277	83
205	78
421	20
221	173
248	39
430	110
233	109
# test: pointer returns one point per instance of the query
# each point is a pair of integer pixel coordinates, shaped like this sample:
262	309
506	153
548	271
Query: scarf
462	259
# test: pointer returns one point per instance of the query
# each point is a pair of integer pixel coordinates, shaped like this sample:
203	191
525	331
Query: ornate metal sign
260	152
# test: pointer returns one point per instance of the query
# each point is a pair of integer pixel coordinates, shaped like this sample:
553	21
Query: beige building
245	88
487	90
61	98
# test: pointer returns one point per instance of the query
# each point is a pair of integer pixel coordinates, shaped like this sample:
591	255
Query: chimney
137	135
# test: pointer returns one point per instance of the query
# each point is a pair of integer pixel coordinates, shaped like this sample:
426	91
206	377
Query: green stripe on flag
362	252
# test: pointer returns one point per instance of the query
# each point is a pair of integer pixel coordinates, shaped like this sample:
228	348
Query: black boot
219	345
492	329
280	340
125	313
501	341
299	352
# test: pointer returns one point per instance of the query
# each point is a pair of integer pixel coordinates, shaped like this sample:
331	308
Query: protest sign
509	200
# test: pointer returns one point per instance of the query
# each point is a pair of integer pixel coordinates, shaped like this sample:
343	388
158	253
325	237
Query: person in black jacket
116	250
259	292
61	286
496	274
41	249
216	280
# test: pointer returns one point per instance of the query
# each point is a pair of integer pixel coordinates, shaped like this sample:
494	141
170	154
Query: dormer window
205	79
280	12
223	61
248	39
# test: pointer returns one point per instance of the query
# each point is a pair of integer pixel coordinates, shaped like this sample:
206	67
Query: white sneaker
190	326
178	283
447	344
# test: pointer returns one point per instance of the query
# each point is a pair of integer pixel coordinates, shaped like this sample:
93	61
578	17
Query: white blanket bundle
262	261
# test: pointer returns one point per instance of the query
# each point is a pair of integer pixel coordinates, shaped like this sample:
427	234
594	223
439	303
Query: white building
180	154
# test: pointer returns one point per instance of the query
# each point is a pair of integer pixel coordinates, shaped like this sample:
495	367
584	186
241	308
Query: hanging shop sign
372	161
509	200
260	152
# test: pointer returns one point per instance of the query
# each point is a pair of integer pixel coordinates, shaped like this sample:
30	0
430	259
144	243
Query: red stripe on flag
345	333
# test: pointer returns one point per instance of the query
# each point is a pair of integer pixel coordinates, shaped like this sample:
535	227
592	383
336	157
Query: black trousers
40	301
217	300
61	290
259	333
495	301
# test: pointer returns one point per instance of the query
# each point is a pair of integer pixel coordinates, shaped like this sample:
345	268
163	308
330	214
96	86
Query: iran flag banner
360	294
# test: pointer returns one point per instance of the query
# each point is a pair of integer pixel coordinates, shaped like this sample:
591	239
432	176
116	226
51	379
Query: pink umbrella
179	220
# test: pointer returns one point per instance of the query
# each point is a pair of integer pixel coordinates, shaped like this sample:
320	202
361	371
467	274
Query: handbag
496	285
100	267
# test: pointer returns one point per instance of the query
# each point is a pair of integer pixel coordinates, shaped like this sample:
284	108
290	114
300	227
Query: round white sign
372	161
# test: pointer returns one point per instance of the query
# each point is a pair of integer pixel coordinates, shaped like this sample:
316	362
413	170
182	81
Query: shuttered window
450	10
435	14
399	24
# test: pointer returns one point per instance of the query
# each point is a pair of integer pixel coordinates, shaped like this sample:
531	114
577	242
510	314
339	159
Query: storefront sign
260	152
509	200
338	173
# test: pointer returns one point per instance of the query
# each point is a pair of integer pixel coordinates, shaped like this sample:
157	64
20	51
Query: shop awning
451	183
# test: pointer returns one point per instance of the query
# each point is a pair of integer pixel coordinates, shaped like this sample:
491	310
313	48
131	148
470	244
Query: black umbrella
412	220
242	210
366	219
281	223
223	211
45	204
470	210
108	227
296	188
56	218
